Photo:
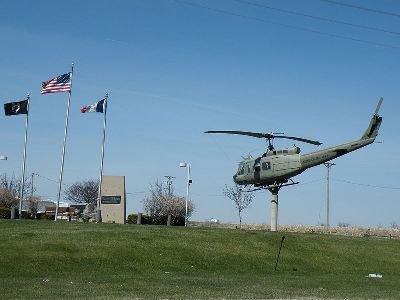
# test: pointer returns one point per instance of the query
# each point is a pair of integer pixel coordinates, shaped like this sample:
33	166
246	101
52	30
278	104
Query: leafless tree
33	205
241	199
83	192
162	202
10	190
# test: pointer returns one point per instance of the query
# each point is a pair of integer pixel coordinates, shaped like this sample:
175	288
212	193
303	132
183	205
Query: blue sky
174	69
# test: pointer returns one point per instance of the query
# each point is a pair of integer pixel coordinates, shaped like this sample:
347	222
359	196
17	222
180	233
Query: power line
362	8
368	185
317	17
286	25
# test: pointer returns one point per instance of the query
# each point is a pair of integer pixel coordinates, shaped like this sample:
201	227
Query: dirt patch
390	233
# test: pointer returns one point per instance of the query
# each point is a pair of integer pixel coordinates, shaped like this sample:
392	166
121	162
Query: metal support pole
64	144
169	183
186	165
274	210
98	211
32	188
21	194
328	166
187	195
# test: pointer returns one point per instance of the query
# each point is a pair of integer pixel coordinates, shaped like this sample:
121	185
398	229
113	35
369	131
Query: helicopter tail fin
374	124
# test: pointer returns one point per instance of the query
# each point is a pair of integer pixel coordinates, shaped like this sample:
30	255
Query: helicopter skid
270	186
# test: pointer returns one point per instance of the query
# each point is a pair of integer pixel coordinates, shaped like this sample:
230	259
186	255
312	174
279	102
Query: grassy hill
47	259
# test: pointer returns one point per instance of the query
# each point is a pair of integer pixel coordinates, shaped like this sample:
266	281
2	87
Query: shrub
5	213
42	216
146	220
27	215
132	219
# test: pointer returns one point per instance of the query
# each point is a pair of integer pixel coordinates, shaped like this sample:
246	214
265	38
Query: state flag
98	107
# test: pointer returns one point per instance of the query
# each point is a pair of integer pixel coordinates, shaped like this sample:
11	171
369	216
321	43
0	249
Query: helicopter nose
235	178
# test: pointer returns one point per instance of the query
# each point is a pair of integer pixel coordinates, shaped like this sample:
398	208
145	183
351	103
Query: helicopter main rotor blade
298	139
264	135
253	134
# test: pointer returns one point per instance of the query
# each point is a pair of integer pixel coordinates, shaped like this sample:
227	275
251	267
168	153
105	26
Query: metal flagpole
21	193
98	214
63	149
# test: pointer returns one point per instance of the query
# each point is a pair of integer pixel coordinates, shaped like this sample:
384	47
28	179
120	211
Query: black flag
16	108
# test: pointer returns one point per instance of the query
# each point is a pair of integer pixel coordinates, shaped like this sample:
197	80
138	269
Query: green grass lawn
60	260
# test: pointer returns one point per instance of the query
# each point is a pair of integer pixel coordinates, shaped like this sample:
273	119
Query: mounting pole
274	208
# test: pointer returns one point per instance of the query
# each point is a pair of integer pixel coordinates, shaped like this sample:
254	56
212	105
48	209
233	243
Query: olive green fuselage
279	167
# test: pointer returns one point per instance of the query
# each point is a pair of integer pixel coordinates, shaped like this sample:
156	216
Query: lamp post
189	181
3	157
328	165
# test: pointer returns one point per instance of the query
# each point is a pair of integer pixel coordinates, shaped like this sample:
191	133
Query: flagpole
63	148
98	215
21	193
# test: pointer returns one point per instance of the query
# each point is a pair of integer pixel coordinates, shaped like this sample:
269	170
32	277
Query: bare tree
241	199
33	205
10	190
162	202
83	192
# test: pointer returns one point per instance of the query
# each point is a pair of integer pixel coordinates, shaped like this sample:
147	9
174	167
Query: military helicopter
275	168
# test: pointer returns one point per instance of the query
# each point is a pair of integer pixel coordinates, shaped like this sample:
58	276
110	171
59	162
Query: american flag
59	84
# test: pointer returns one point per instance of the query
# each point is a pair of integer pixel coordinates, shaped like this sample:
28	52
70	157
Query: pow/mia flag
16	108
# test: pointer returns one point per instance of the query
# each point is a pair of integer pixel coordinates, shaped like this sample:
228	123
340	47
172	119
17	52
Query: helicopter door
257	169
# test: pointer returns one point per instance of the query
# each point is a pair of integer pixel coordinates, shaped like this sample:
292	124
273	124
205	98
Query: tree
241	199
83	192
162	202
33	205
10	190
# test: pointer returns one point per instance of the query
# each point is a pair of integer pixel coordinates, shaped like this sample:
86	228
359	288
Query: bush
175	221
5	213
132	219
146	220
26	215
42	216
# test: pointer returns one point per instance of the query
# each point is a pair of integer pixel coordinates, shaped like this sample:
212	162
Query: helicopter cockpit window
240	169
266	165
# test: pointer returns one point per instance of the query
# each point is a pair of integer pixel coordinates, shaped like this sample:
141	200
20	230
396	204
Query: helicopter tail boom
374	124
318	157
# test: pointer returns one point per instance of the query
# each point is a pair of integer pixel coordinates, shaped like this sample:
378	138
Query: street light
189	181
3	157
328	165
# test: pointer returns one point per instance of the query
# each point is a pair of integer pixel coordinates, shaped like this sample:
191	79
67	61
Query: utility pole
169	182
33	174
328	165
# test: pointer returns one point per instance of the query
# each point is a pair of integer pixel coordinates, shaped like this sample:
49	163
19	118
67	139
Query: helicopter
275	168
